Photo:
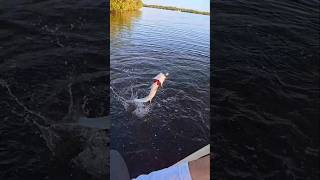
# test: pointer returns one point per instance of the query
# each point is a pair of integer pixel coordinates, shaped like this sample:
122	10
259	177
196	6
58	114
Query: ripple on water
176	122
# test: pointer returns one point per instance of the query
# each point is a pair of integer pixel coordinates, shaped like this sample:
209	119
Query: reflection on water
122	21
176	123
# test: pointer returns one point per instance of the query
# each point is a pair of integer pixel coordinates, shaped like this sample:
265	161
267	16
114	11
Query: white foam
139	109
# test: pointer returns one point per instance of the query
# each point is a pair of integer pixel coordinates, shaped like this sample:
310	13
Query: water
176	123
265	101
53	90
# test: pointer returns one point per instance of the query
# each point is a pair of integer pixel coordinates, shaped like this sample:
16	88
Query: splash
88	136
139	109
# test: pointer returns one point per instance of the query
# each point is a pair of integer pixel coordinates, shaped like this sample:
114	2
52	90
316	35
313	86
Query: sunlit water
176	123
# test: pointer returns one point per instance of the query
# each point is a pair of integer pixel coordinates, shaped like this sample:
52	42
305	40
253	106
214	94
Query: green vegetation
176	9
125	5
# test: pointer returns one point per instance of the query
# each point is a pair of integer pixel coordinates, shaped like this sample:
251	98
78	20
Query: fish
157	82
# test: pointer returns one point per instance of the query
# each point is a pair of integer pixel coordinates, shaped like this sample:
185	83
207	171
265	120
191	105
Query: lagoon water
265	89
176	123
53	71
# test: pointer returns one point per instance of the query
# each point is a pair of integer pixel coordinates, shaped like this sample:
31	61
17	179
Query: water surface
53	82
265	103
176	123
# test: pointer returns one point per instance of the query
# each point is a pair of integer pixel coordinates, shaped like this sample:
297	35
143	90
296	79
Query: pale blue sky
202	5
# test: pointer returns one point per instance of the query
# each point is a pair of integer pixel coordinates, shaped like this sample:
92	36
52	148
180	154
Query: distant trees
177	9
131	5
125	5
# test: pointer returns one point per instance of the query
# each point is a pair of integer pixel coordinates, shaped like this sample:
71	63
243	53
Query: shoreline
171	8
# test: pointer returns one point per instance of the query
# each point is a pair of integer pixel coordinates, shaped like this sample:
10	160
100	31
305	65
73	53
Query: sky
201	5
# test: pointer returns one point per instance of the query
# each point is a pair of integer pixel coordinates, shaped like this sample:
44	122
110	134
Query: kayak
196	155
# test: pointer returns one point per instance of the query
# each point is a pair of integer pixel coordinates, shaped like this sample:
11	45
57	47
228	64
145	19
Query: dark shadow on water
53	71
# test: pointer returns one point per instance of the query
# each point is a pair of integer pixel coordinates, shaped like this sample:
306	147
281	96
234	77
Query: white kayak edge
196	155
